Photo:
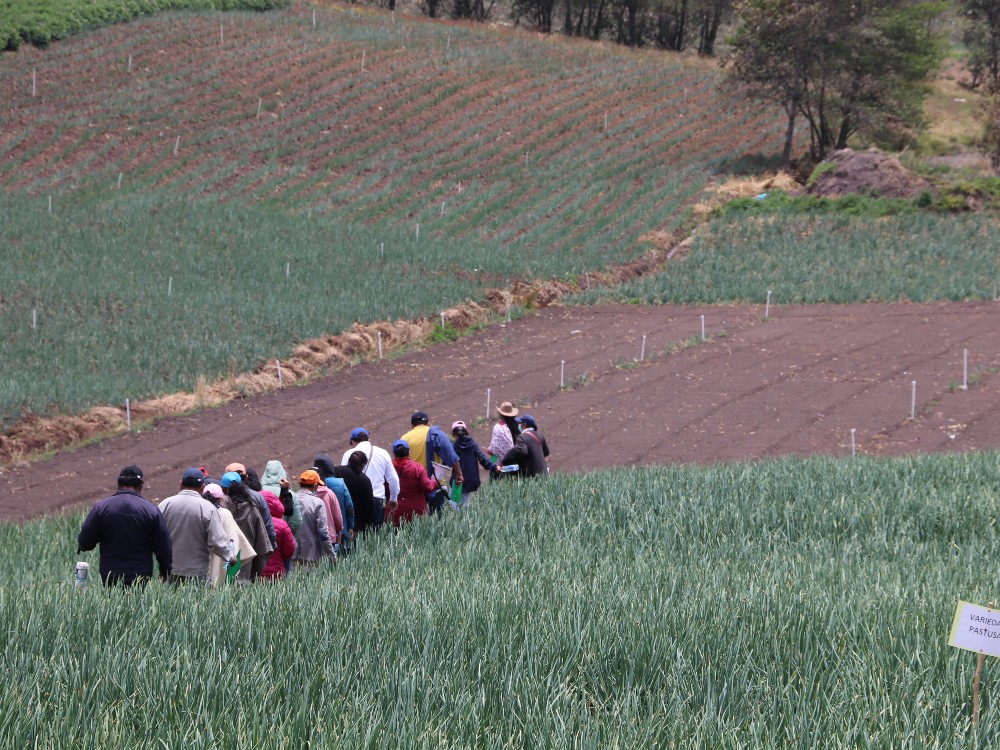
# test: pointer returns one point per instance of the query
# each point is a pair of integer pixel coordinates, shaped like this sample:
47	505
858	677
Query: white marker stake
418	230
34	319
314	18
562	374
853	449
177	145
363	59
380	345
128	415
130	63
965	369
448	47
913	401
170	286
381	251
277	363
767	306
288	270
120	175
260	103
508	309
605	120
702	327
34	83
442	318
642	352
442	208
221	36
50	204
459	187
488	401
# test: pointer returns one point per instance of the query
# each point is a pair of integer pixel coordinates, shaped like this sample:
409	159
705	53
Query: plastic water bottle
230	548
82	574
510	468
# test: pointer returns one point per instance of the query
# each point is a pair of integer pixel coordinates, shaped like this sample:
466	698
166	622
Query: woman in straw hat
503	432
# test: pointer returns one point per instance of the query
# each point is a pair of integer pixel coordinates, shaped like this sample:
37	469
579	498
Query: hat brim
513	412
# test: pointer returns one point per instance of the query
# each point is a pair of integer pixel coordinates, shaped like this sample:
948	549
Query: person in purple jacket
130	531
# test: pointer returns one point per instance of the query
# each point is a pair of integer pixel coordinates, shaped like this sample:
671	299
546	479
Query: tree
982	37
845	66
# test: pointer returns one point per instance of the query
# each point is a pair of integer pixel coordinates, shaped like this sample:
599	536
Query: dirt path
793	384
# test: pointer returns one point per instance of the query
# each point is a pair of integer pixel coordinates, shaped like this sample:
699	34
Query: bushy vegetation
43	21
806	258
795	603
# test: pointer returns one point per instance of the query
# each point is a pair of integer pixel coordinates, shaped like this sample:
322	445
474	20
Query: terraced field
346	155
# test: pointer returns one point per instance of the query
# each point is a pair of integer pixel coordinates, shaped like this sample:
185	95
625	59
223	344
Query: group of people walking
247	527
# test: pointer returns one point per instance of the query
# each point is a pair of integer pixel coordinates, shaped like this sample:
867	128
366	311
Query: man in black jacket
530	449
130	530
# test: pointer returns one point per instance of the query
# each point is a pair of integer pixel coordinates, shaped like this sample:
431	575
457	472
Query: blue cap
359	434
230	478
192	477
528	421
400	444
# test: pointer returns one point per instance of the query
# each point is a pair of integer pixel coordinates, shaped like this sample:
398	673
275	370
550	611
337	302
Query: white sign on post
976	629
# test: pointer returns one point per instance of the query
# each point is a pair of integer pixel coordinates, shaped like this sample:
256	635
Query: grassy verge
732	606
43	21
827	258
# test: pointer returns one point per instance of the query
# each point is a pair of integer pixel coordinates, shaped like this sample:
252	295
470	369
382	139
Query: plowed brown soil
795	383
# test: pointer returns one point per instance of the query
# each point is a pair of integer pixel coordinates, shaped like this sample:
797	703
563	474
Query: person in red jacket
414	484
280	561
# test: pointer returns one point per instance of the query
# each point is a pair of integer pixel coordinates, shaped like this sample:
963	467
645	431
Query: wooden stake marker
489	393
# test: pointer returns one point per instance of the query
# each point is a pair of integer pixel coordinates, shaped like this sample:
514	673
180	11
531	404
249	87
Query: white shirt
379	469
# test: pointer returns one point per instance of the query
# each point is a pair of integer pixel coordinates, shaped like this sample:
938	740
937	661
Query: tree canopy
845	66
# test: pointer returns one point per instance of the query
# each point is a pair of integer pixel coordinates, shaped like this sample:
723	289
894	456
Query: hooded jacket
274	472
277	564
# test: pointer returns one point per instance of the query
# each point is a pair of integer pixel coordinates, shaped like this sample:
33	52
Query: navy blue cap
419	417
528	421
192	477
359	434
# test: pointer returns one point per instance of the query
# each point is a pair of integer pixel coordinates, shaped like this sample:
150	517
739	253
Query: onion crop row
797	603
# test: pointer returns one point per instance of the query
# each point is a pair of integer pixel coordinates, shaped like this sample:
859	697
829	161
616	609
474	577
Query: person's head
526	422
273	504
192	479
309	479
131	477
507	413
252	480
229	479
213	493
419	417
401	449
323	465
458	429
359	435
357	462
238	468
233	487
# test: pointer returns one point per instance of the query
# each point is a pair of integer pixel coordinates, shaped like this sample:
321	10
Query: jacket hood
273	504
324	465
274	472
